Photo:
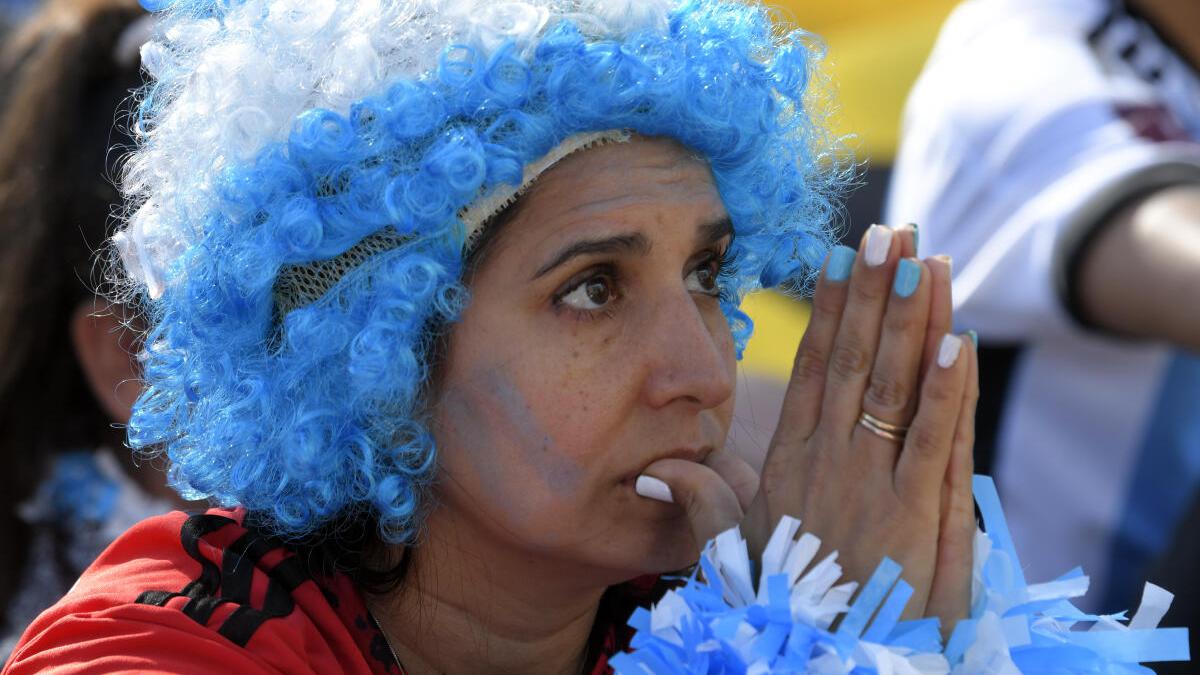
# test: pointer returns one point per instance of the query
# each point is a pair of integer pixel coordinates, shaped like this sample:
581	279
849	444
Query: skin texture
543	422
869	350
547	412
551	402
1138	274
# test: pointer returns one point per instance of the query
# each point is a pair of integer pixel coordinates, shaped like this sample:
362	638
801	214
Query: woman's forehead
624	184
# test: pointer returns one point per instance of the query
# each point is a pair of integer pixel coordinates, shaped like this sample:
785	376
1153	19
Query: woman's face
592	346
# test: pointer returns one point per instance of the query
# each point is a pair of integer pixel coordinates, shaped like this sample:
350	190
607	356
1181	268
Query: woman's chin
667	550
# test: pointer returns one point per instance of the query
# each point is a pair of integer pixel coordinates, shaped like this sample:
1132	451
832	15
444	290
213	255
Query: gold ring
892	432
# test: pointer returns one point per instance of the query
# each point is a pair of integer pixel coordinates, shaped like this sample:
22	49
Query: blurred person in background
12	12
67	378
1052	148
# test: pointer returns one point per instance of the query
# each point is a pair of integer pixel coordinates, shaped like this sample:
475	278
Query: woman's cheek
498	446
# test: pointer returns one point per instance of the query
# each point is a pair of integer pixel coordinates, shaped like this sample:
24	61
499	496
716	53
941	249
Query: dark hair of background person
60	89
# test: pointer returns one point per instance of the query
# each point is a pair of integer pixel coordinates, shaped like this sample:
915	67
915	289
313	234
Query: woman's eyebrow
714	231
633	242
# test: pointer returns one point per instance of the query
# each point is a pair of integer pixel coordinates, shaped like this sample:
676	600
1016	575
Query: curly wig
340	143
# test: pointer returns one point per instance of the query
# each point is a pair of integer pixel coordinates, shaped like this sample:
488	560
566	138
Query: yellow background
875	51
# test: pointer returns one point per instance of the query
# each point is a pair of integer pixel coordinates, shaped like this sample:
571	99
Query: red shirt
202	594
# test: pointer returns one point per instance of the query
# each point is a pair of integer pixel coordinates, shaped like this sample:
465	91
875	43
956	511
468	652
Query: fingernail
879	242
948	350
908	275
653	488
841	260
916	237
945	260
974	339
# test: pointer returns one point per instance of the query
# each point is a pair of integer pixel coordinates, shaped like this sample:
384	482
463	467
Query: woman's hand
878	344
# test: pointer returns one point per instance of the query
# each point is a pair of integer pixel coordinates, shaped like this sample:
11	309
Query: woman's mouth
697	455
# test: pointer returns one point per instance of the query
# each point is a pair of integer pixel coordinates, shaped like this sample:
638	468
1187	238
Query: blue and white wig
310	174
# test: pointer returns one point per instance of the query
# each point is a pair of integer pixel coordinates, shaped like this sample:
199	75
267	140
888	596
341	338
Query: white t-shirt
1032	121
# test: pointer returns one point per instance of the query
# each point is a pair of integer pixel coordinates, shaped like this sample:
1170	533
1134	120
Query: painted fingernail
947	351
879	242
653	488
947	261
974	339
916	237
841	260
908	275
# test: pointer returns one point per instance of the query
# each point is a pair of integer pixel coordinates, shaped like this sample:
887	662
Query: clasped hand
897	483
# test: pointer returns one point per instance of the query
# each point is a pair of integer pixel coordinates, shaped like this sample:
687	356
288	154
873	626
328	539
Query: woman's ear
102	345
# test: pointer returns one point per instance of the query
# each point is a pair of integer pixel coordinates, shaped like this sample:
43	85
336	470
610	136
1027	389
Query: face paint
488	412
593	343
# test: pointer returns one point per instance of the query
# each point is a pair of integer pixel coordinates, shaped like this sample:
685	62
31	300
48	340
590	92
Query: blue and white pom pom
718	622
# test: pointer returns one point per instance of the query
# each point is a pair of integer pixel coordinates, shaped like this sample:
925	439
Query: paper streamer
725	621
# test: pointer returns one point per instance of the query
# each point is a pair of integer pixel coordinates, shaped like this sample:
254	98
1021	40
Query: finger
710	503
923	461
802	401
950	594
857	338
737	474
892	392
907	234
941	307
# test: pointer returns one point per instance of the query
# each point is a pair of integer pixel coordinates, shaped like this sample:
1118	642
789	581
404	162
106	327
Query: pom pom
721	622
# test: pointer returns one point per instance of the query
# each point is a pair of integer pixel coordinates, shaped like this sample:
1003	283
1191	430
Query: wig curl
280	134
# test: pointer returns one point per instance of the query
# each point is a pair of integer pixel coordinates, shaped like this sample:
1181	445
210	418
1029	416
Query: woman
515	234
66	370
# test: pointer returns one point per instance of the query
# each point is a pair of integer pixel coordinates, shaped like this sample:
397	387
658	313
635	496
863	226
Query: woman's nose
688	352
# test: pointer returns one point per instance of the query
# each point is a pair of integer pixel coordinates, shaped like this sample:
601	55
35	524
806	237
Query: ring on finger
887	430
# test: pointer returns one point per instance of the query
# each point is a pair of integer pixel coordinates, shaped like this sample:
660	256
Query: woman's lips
697	455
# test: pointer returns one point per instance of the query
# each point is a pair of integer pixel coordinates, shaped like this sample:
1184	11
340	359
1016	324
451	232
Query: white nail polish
879	242
653	488
948	350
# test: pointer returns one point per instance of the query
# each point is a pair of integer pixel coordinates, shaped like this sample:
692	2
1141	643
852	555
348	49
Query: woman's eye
593	293
703	279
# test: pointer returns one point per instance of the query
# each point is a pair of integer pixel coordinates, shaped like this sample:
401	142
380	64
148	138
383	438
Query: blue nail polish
916	237
841	259
908	275
974	338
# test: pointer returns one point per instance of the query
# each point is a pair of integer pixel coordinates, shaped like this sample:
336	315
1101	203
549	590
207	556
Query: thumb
709	502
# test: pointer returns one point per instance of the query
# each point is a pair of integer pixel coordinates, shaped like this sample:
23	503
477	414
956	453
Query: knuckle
865	293
941	393
902	322
887	393
925	441
693	504
964	435
849	361
961	513
810	364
